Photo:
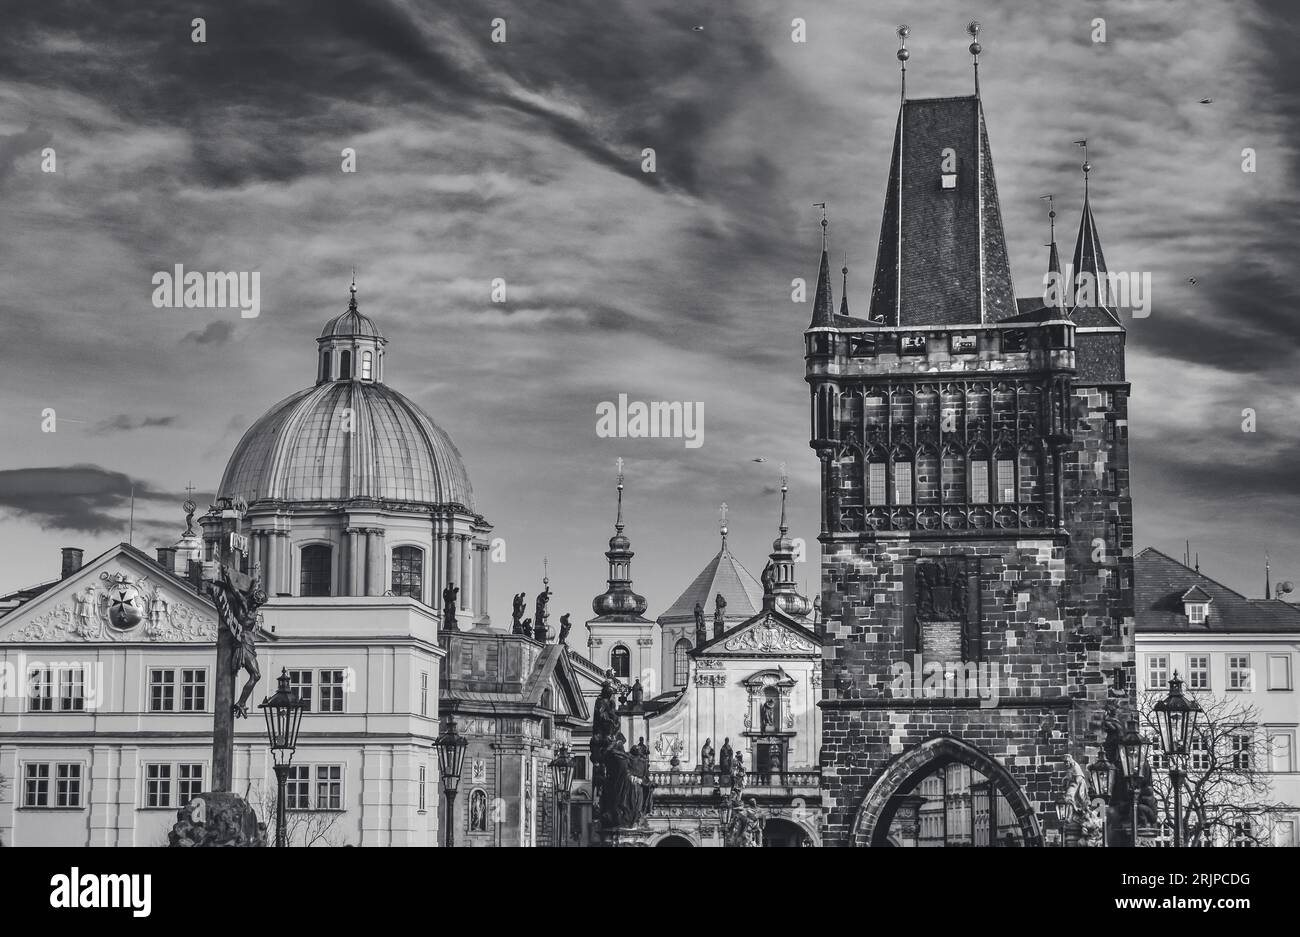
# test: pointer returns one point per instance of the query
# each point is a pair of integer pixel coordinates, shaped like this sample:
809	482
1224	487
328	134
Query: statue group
621	777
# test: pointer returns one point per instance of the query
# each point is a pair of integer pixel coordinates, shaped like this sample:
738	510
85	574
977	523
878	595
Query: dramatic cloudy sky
522	161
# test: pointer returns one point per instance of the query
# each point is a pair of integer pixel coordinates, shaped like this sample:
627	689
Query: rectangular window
902	482
158	785
162	691
1239	675
331	691
423	784
68	791
1280	746
297	789
72	690
1006	481
1243	834
579	767
1279	671
36	785
40	688
876	483
1241	750
979	482
189	778
424	696
1198	672
1196	612
329	787
300	681
194	691
1198	755
1157	672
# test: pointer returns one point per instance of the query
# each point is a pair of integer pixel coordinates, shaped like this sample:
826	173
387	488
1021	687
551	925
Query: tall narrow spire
1088	271
973	29
823	298
780	592
1268	584
618	602
844	289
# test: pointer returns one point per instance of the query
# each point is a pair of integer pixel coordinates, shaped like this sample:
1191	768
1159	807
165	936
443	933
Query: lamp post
1136	749
451	757
283	711
1064	809
727	813
562	779
1103	780
1176	716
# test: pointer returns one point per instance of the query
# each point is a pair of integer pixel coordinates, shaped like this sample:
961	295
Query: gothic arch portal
904	771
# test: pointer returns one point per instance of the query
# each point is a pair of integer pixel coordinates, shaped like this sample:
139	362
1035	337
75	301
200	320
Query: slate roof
723	573
1160	582
941	250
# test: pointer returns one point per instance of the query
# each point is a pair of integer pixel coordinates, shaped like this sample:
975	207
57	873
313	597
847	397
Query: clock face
124	607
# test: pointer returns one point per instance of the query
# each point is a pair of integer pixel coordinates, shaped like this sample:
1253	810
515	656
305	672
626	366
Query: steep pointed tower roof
1089	260
943	255
823	300
722	575
779	588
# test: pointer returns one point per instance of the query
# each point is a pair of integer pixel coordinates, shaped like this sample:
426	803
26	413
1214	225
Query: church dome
350	436
300	451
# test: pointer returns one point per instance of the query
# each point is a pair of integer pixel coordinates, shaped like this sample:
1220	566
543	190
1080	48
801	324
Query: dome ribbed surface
300	451
350	323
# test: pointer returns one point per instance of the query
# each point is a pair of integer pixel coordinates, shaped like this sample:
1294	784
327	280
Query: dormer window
1196	605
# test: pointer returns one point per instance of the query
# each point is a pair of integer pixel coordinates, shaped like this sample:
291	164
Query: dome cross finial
618	521
352	291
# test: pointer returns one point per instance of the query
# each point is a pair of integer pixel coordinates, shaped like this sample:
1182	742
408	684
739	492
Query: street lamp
562	780
283	710
1064	812
1103	781
1176	715
1136	748
451	758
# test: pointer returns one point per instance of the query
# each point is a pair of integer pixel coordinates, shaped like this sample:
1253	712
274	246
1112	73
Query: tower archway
904	774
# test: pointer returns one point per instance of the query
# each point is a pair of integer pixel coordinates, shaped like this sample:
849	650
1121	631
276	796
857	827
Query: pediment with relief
115	598
767	635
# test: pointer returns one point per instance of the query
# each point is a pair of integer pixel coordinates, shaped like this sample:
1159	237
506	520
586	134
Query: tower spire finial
618	522
903	55
352	291
722	511
825	222
1086	167
1268	583
785	485
973	29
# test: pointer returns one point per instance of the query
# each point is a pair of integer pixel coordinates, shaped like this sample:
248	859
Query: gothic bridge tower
976	521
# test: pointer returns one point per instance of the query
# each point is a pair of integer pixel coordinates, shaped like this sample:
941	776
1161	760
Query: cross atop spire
722	526
352	291
785	480
618	522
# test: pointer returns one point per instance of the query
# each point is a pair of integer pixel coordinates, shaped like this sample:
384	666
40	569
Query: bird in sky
1207	100
1192	280
698	29
759	459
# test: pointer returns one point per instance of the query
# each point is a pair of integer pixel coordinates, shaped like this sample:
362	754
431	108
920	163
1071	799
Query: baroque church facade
977	561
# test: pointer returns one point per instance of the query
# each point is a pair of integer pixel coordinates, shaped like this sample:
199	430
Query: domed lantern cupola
351	348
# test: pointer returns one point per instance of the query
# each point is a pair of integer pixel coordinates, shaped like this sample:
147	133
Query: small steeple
1088	258
779	589
823	299
618	601
350	347
844	289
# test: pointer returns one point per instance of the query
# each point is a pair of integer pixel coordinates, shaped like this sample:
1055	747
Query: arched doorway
946	792
674	840
778	832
